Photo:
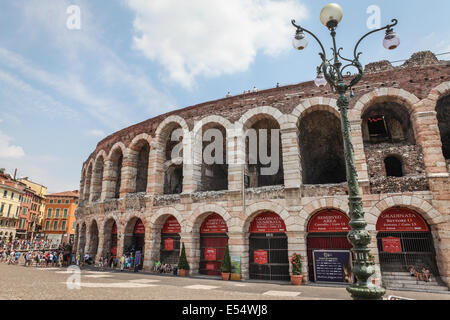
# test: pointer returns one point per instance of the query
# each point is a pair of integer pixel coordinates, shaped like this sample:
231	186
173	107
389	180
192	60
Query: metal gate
170	255
417	250
277	266
215	243
325	241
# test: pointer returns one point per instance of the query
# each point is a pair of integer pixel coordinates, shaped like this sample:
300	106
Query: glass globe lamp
320	80
300	41
331	15
391	40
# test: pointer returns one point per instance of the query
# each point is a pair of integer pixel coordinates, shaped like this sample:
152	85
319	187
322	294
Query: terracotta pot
182	272
297	280
226	276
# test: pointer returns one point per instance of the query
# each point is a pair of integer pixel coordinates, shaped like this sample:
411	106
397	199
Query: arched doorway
135	238
170	241
93	244
404	239
112	252
327	231
269	258
213	241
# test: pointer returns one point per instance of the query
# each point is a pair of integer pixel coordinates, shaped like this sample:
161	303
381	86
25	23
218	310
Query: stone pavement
31	283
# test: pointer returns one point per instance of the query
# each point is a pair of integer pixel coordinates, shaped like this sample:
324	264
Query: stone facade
417	86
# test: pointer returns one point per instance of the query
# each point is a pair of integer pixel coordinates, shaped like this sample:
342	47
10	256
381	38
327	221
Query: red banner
267	222
139	228
392	245
401	219
329	221
214	224
260	256
168	244
210	254
210	266
171	226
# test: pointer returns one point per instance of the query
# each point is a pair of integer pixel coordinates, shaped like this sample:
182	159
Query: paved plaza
31	283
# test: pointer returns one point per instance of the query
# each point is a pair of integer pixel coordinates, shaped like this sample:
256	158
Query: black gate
277	267
217	242
417	250
325	241
170	256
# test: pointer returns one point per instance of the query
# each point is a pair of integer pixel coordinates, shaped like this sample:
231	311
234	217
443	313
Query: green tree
183	264
226	262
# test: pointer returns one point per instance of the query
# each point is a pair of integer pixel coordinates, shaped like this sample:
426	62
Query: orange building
59	219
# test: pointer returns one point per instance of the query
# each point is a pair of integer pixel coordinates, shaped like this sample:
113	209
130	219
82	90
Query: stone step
411	282
405	278
418	287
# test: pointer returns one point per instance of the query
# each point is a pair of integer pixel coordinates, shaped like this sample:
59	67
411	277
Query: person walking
137	261
122	263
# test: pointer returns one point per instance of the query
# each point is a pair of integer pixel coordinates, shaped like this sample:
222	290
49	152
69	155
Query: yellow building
40	191
11	195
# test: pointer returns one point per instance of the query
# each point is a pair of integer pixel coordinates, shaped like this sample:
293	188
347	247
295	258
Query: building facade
59	220
40	192
11	194
136	195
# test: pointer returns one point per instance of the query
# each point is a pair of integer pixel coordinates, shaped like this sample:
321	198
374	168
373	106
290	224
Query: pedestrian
122	263
137	261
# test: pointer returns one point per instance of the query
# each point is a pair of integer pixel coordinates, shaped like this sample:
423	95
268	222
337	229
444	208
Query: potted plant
296	277
226	265
183	265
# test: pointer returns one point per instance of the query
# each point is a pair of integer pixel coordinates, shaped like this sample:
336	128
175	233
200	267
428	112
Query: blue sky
62	90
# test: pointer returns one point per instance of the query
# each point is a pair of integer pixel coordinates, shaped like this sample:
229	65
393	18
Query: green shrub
183	264
226	262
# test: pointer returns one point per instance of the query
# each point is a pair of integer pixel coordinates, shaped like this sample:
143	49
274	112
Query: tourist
426	274
122	263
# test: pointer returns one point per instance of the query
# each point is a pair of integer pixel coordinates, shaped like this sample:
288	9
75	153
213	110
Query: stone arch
423	207
260	119
320	141
88	180
165	125
117	145
116	158
211	176
138	159
399	96
255	209
311	208
193	225
259	113
315	104
97	176
439	92
160	217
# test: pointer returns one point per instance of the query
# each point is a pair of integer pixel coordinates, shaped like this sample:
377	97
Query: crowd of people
37	244
60	257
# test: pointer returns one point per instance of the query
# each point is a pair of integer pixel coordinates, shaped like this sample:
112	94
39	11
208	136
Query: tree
183	264
226	262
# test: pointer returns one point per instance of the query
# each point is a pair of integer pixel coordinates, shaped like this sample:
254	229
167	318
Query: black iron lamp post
331	71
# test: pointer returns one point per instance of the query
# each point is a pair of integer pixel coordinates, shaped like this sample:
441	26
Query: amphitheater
135	196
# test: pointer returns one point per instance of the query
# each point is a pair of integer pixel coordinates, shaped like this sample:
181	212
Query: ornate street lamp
331	71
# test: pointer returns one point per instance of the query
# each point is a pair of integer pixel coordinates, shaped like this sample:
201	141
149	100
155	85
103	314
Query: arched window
443	116
321	148
393	167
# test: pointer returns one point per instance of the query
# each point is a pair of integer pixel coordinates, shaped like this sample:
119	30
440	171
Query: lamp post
331	71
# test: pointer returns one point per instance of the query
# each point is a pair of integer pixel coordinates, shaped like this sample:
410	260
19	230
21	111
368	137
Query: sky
75	71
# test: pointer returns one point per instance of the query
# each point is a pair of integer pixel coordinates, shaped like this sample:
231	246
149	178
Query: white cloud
211	38
96	133
8	151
